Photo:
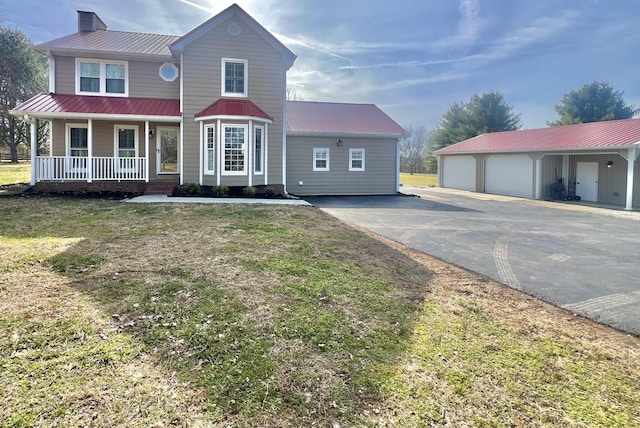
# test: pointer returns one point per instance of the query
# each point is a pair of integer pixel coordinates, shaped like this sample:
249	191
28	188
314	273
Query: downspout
181	150
284	129
398	165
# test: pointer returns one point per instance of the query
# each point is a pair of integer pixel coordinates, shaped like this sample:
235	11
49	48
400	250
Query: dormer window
234	77
97	77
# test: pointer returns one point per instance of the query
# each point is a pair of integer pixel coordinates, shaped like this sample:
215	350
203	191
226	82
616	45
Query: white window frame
255	156
72	165
223	90
223	144
165	66
351	159
103	77
207	149
316	152
116	147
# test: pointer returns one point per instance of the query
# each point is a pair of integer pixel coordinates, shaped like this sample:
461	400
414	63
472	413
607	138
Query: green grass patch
14	173
418	180
118	314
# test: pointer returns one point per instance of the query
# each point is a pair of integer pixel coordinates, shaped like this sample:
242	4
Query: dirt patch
516	307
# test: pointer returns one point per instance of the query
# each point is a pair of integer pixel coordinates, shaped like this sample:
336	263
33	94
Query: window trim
223	90
206	149
71	165
116	147
316	151
103	77
255	156
223	143
171	66
351	159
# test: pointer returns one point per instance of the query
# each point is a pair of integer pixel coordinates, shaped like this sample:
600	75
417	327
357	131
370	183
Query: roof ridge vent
90	21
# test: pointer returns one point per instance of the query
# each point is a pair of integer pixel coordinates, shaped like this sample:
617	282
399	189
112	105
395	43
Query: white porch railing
68	168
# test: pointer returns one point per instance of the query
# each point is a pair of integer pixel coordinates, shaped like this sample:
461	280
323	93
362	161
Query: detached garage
600	158
341	149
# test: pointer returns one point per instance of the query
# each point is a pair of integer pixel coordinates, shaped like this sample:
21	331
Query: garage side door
459	172
509	175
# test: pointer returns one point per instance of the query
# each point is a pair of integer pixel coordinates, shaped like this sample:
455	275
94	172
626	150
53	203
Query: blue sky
413	58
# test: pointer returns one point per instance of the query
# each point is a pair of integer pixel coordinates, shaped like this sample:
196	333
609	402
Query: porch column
266	154
89	150
34	151
146	151
250	148
631	160
202	143
220	162
538	185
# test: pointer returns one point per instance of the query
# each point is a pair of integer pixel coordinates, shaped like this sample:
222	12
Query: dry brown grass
122	315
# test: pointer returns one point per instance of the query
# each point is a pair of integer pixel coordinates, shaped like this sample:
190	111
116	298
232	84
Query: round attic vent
234	29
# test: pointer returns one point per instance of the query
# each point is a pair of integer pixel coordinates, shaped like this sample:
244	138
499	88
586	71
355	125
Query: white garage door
459	172
509	175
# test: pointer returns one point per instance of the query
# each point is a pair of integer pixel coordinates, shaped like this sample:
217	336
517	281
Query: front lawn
14	177
118	314
418	180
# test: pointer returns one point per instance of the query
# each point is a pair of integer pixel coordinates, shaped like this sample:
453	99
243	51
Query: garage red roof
340	119
596	135
234	107
59	105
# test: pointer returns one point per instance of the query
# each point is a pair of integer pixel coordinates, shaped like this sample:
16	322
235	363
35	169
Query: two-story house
145	112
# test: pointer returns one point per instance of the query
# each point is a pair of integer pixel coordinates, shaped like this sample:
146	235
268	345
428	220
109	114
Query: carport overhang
630	152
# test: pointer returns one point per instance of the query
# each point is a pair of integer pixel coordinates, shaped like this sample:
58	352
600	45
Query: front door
587	181
167	149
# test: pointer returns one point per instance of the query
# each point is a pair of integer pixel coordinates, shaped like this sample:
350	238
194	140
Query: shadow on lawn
276	315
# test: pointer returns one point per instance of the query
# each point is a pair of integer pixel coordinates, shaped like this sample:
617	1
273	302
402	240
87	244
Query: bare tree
414	149
292	95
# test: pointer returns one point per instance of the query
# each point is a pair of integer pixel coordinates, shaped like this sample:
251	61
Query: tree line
489	112
23	73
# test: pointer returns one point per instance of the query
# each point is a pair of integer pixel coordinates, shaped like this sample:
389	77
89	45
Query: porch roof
228	108
613	134
52	106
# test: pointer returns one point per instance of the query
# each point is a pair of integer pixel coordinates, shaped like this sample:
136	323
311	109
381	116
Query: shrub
270	191
249	191
191	189
221	191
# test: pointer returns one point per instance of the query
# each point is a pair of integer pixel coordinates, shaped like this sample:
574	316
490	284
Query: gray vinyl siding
550	171
65	75
144	79
202	87
379	176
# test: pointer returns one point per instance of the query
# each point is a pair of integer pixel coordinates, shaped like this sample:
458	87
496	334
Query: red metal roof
596	135
234	107
59	105
307	118
121	42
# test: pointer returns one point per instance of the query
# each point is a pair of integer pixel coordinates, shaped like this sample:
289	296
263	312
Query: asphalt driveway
584	259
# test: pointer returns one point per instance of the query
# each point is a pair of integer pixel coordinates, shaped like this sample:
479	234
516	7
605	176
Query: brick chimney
89	21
